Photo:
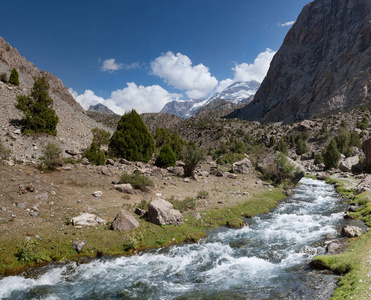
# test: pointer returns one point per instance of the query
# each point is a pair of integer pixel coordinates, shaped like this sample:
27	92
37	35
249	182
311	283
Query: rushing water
263	260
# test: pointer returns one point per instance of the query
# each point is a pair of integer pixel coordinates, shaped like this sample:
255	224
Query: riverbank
35	225
355	263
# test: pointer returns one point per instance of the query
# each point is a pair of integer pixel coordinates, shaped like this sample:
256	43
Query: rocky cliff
322	67
12	58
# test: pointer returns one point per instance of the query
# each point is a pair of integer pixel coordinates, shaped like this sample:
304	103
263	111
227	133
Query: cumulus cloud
110	65
177	71
142	99
287	24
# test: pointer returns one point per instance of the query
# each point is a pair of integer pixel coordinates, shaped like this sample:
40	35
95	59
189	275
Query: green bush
363	124
39	116
183	205
138	181
282	146
230	158
332	155
95	155
132	140
162	137
51	158
301	147
272	141
318	159
14	77
192	157
100	136
166	158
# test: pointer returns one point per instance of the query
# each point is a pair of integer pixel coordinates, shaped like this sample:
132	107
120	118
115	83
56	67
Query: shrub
192	157
272	141
14	77
166	158
100	136
230	158
132	140
301	147
332	155
183	205
318	159
138	181
363	124
39	116
285	170
4	78
202	194
282	146
51	158
95	155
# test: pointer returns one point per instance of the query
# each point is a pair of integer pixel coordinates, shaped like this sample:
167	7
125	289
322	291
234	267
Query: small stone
187	180
78	245
98	194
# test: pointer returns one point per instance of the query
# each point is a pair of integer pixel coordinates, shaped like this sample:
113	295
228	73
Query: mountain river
263	260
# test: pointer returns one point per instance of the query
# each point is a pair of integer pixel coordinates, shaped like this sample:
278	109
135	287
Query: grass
57	246
354	263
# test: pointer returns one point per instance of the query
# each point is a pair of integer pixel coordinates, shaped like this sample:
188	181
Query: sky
141	54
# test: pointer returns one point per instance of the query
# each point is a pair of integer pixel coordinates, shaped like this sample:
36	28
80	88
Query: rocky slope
74	127
10	57
322	66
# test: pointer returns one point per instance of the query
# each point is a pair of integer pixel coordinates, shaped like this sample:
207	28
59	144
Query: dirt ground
60	195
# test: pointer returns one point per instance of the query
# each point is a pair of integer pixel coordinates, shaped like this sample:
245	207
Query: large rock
351	231
322	66
346	164
161	212
364	185
87	220
124	221
366	147
125	188
243	166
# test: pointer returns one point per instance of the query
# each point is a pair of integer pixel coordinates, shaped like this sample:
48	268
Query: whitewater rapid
261	260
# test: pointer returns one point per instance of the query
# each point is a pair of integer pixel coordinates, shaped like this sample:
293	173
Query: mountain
322	66
10	57
101	108
236	93
74	126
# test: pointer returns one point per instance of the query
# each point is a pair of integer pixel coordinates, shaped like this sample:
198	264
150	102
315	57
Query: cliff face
322	67
12	58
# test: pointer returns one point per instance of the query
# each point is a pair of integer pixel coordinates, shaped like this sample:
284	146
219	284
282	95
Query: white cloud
255	71
142	99
110	65
177	71
287	24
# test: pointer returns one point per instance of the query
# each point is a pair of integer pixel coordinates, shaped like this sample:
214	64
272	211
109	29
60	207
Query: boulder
124	221
243	166
216	172
232	176
123	161
161	212
110	162
366	148
125	188
72	152
346	164
87	220
78	245
105	171
309	250
158	173
333	247
140	212
179	171
351	231
364	185
85	161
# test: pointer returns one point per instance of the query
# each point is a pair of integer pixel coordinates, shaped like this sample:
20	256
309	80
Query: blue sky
143	53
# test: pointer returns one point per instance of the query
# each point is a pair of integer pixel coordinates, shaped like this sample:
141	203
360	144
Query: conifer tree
39	116
132	140
14	77
332	155
166	158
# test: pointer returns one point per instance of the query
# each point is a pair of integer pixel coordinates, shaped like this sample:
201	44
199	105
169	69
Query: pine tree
132	140
301	147
95	155
332	155
13	79
282	146
39	116
166	158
